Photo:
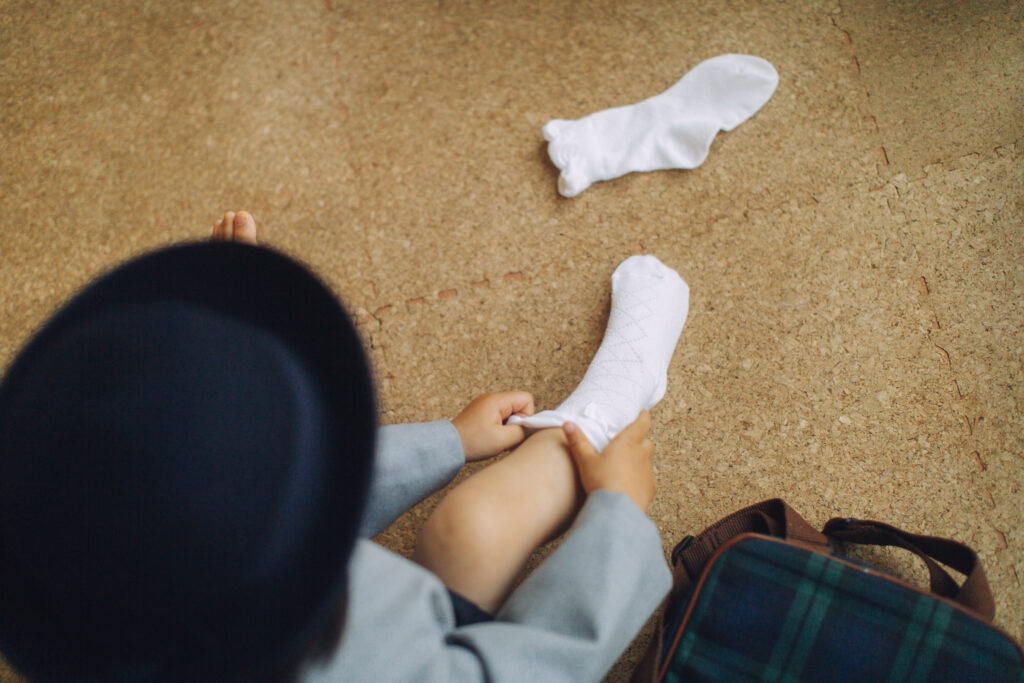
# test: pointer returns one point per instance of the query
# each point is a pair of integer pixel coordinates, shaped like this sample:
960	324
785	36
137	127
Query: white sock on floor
670	130
628	373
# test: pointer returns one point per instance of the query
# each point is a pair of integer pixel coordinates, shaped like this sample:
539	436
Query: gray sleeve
569	621
411	462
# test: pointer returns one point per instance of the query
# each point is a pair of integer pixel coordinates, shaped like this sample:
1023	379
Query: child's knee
465	526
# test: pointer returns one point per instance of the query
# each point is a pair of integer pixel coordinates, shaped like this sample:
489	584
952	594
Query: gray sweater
568	621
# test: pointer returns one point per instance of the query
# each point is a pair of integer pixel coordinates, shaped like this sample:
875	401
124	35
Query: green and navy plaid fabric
775	612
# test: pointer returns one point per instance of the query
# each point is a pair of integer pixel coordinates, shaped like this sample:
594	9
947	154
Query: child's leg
480	536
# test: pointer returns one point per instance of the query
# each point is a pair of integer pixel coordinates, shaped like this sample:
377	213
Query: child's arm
414	460
411	462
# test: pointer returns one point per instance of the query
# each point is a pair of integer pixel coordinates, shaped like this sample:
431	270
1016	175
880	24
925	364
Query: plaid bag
762	596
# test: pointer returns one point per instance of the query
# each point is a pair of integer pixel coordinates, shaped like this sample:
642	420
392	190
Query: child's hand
482	427
623	466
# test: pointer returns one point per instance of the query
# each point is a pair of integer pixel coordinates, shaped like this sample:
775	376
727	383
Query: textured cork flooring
855	252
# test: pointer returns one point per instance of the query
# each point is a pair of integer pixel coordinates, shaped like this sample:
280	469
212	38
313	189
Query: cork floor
855	252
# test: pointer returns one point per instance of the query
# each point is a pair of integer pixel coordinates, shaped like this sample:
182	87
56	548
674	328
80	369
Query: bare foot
236	227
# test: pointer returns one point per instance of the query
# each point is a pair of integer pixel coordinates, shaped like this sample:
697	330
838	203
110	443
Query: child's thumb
579	445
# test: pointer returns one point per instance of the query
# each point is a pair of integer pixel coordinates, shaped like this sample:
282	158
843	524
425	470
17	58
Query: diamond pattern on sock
628	373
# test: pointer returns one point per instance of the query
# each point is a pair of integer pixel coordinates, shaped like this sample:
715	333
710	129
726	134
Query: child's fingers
579	445
509	436
511	402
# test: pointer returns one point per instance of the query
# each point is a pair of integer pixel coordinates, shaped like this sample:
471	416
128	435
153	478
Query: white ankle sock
628	373
670	130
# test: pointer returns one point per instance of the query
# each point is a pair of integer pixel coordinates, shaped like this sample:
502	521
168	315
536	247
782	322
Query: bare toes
244	228
222	230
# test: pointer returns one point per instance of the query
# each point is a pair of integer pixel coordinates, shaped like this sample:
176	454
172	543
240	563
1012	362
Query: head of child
185	452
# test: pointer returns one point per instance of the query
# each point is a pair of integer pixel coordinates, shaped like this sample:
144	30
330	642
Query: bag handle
771	517
776	518
975	593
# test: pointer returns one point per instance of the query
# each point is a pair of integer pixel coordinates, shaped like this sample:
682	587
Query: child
188	453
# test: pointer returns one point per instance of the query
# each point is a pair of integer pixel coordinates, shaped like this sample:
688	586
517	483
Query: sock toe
734	88
642	266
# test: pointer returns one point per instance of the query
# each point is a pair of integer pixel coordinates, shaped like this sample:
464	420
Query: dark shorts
466	611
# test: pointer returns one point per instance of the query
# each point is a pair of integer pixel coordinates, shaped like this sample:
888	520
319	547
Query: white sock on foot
670	130
628	373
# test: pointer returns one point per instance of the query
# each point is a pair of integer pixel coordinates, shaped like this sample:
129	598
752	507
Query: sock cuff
597	434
